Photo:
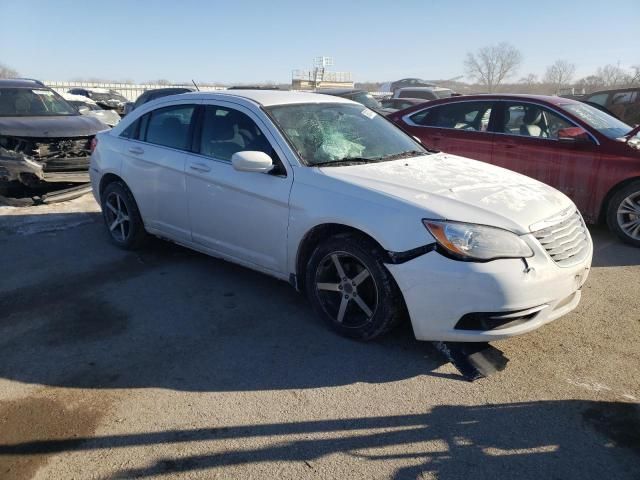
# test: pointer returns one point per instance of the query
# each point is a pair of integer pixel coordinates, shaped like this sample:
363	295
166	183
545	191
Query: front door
529	142
238	214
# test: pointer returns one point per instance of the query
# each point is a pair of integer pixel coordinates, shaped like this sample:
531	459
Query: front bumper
439	291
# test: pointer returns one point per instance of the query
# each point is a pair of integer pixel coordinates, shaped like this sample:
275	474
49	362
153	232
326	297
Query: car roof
266	98
21	83
492	96
338	91
424	89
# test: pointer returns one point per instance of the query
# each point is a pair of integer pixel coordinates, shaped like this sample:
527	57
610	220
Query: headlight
467	241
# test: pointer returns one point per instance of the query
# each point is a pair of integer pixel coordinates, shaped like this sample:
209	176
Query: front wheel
350	288
623	213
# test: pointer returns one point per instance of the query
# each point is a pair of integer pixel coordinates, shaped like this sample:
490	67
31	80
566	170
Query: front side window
472	116
327	133
531	120
170	127
226	131
31	102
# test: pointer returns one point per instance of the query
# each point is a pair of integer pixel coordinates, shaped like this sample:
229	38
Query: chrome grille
566	242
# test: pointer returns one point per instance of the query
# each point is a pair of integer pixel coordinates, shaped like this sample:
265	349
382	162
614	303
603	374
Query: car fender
396	226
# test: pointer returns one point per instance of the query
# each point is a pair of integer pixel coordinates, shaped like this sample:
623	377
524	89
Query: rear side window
600	99
460	116
131	131
226	131
171	127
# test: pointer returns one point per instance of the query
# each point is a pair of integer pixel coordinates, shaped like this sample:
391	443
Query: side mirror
250	161
83	110
573	135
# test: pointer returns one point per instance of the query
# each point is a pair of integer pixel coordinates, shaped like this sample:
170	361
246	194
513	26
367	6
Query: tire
367	302
126	230
623	213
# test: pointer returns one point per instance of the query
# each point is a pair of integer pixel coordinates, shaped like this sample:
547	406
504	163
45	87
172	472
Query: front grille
566	242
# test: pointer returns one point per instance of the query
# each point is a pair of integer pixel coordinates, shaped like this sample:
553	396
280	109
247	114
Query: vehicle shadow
609	251
172	318
563	439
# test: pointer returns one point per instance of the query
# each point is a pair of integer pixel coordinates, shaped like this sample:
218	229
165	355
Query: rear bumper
439	292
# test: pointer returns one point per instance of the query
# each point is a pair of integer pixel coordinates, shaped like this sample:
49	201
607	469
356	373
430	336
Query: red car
585	153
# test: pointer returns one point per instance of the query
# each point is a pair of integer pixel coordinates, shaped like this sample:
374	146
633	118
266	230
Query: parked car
107	99
357	95
410	82
396	104
426	93
86	106
42	137
330	196
624	103
149	95
581	151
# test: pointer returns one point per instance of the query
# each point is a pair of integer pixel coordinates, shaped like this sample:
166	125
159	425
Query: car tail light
94	144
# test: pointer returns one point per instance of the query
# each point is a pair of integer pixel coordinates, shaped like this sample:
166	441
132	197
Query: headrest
532	116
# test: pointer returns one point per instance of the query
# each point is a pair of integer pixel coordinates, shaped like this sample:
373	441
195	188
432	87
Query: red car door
460	128
541	143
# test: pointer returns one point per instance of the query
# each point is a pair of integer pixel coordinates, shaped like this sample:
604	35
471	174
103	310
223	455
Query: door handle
136	150
200	167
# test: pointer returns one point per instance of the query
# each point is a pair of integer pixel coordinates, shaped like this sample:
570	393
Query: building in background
320	77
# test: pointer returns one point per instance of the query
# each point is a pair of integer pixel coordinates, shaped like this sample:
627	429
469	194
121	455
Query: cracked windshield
323	134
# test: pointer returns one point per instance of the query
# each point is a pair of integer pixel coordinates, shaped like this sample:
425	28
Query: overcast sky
253	41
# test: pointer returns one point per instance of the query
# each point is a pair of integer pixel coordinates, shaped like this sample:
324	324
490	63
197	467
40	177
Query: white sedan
325	194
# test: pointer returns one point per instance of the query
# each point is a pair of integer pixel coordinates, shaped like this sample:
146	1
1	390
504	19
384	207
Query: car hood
456	188
51	126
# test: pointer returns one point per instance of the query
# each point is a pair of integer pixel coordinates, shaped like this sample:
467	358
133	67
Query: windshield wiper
407	154
346	161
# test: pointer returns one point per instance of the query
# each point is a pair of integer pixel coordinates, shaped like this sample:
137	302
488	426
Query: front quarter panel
317	199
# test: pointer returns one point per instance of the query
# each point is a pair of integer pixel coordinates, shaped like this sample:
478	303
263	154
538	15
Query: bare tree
491	65
560	74
6	72
613	76
529	80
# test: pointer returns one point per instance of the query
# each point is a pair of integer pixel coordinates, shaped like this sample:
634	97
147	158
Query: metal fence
130	91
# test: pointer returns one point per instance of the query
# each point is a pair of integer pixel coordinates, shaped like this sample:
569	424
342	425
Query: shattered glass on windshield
335	132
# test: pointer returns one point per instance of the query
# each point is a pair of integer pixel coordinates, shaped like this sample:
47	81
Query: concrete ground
170	364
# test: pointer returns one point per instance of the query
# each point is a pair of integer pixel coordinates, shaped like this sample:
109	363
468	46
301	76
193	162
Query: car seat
531	123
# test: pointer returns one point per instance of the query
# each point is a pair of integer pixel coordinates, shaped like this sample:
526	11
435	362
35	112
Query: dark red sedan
585	153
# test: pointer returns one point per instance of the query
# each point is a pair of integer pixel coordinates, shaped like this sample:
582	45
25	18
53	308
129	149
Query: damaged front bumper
31	161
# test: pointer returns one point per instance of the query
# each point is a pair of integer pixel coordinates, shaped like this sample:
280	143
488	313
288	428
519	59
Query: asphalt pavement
166	363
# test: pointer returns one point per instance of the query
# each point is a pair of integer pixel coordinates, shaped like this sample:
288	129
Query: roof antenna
194	84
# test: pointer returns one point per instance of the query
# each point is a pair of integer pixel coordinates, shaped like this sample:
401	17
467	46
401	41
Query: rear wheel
121	217
350	288
623	213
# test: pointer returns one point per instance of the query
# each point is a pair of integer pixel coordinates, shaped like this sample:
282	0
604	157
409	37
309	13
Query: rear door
527	141
154	168
461	128
242	215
